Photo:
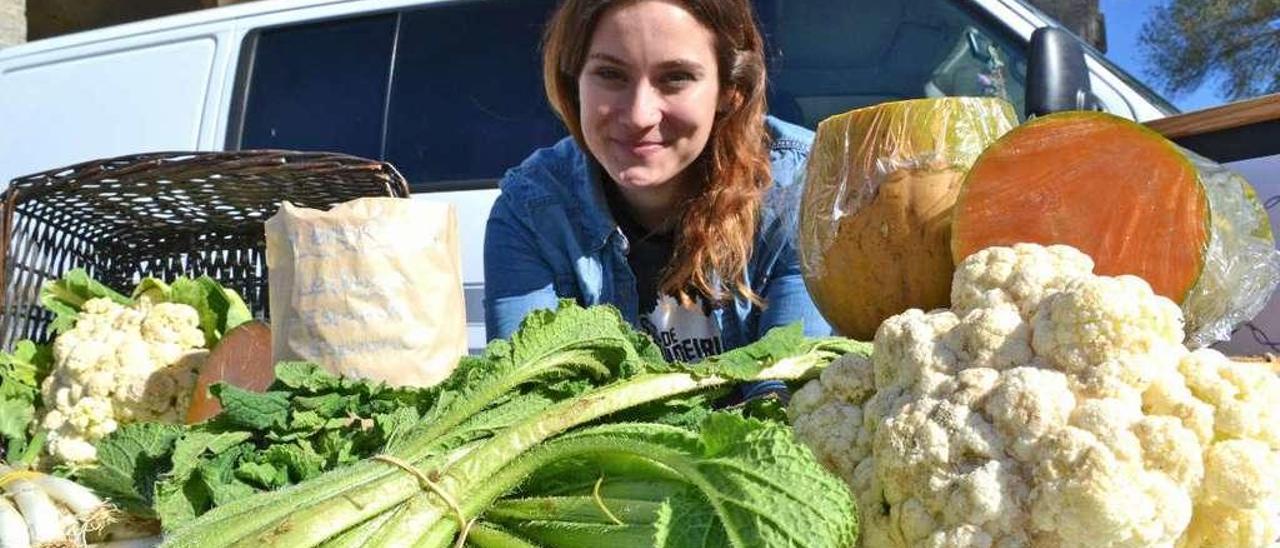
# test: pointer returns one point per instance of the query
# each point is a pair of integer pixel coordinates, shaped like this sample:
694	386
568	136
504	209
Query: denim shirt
550	235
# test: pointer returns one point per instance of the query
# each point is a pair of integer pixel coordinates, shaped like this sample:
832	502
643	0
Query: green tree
1237	42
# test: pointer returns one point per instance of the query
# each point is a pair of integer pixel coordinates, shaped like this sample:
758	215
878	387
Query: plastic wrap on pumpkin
875	222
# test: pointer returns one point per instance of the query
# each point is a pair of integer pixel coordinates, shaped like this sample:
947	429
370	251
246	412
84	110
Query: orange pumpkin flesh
1113	189
243	359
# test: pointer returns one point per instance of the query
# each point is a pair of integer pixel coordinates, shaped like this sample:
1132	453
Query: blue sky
1124	19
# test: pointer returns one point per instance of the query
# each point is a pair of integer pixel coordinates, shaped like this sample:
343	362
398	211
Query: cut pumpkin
1126	196
242	359
876	212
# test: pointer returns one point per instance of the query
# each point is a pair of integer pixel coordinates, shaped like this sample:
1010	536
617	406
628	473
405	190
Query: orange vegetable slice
242	358
1119	192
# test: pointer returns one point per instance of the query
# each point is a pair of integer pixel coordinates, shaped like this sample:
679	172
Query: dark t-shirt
647	253
686	334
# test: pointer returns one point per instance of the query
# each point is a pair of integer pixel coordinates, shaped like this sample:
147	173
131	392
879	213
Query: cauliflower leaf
66	296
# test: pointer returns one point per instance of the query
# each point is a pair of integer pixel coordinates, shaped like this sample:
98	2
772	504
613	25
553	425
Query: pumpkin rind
875	216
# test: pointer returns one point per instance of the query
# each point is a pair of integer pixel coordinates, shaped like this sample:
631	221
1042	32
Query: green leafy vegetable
21	373
23	369
15	417
66	296
577	408
743	482
308	422
128	468
251	410
220	309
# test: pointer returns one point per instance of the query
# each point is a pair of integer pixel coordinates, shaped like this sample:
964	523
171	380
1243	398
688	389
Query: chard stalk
497	467
365	488
320	509
494	468
577	508
460	481
443	532
485	535
358	536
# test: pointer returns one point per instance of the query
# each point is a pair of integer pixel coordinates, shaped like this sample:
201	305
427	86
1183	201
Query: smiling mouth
641	147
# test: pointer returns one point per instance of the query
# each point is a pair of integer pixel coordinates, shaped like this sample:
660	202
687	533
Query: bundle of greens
308	422
574	433
21	372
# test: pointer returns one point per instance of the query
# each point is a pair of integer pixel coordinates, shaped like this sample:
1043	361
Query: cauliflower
120	364
1049	407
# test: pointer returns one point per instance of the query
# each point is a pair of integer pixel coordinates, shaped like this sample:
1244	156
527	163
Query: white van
450	91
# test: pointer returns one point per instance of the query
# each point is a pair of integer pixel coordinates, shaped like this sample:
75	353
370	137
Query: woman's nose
644	106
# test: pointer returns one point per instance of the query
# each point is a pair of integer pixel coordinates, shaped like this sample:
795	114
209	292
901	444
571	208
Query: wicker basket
164	215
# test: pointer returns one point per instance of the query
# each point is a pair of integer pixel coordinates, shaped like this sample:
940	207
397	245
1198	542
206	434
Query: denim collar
598	221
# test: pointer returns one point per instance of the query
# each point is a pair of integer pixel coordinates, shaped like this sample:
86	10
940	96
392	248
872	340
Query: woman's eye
678	79
609	74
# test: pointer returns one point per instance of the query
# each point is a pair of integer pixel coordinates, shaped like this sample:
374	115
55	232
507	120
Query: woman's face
649	92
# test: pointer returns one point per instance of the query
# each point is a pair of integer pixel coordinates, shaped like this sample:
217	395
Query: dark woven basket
163	214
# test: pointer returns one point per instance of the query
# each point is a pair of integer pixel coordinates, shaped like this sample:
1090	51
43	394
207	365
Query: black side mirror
1057	78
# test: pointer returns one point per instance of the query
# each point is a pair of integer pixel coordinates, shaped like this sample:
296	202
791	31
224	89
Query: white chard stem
78	498
13	529
78	509
44	521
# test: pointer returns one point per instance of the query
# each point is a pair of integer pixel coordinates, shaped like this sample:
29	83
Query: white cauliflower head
1021	276
119	364
1049	407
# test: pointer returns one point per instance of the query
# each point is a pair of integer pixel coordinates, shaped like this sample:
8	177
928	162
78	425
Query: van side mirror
1057	78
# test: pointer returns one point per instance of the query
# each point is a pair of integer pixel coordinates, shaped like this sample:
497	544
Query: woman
675	198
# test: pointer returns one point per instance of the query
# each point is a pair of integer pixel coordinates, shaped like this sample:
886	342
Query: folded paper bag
369	289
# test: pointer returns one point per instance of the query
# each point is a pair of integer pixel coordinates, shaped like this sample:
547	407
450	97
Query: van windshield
830	56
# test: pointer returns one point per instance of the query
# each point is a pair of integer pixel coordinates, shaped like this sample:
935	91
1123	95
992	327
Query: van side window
466	100
826	57
320	86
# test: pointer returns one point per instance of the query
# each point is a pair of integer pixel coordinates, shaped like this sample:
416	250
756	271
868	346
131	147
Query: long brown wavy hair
718	226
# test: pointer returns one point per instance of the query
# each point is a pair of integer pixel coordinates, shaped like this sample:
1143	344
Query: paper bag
369	289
